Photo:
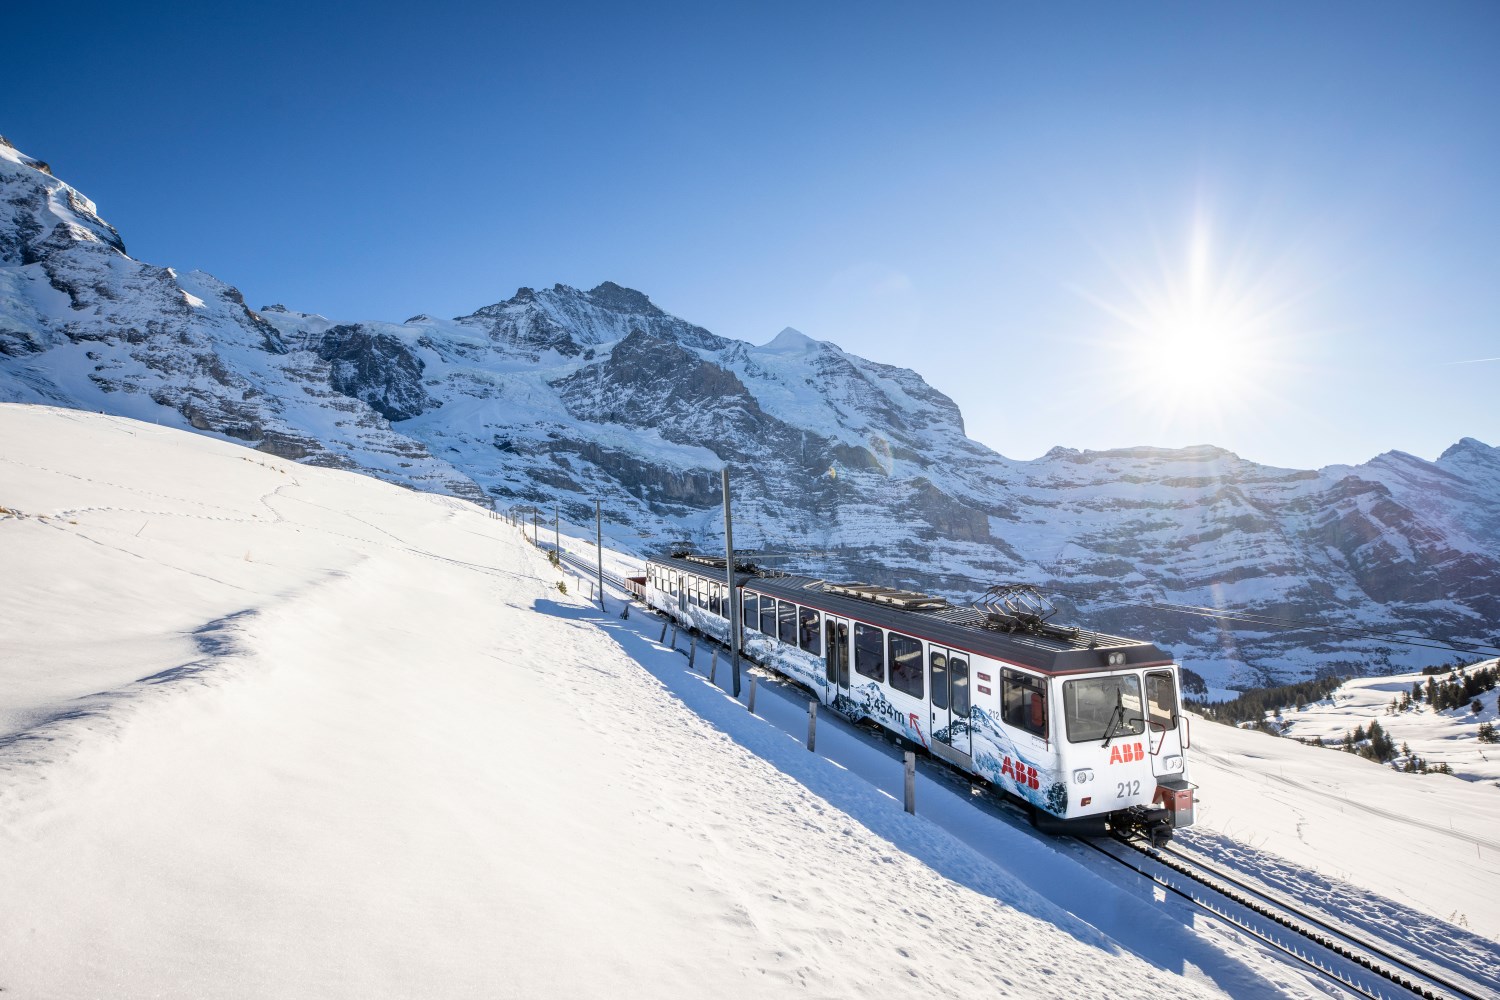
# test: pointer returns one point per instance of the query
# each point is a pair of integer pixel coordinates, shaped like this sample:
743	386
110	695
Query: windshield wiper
1116	718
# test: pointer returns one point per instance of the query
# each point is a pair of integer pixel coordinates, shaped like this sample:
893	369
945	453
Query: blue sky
1270	227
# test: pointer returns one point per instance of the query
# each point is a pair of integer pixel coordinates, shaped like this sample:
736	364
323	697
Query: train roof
1047	648
704	565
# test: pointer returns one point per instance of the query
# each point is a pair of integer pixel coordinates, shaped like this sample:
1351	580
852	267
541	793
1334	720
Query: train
1084	729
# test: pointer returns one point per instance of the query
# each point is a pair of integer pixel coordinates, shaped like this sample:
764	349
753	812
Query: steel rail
1287	917
1343	932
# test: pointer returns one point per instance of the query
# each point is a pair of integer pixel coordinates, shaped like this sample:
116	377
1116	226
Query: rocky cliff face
564	395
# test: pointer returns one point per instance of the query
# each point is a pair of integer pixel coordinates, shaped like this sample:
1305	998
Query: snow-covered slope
1425	736
279	730
560	396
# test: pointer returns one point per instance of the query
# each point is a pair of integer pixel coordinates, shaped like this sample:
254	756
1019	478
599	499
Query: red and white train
1085	727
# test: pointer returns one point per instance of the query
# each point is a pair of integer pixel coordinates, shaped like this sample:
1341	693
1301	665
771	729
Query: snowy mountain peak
41	216
570	321
10	152
789	341
618	298
1470	447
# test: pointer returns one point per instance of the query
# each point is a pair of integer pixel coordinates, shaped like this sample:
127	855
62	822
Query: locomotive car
1086	728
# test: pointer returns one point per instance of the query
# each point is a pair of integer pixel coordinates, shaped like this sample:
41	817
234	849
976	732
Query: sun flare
1197	331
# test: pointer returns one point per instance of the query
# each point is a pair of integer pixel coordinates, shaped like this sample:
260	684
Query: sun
1198	331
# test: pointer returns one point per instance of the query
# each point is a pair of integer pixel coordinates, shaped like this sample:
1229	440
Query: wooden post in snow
812	725
732	595
911	782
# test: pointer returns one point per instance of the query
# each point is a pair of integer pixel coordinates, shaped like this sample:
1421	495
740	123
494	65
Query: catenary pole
731	596
599	547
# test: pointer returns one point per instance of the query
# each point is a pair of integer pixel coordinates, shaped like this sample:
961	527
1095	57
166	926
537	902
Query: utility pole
534	539
733	595
599	547
556	533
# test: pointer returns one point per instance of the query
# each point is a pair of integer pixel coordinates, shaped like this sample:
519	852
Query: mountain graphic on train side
556	397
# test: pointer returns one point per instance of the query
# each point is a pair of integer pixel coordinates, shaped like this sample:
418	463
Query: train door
948	672
836	653
1165	725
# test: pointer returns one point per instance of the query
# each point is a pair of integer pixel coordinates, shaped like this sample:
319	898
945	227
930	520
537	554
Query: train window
786	622
750	616
768	615
1103	706
812	632
1023	701
869	652
906	664
939	662
1161	700
716	599
958	680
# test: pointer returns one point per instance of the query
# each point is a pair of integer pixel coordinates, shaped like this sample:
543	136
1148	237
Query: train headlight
1082	775
1174	762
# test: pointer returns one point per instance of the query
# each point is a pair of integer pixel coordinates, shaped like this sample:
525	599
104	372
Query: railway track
1356	964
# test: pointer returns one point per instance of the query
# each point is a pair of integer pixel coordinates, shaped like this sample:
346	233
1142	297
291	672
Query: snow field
1446	737
1430	843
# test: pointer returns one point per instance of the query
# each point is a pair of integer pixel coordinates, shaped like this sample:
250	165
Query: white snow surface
272	730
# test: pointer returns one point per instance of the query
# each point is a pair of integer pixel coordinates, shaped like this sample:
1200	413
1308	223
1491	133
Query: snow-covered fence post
753	679
812	725
692	652
911	782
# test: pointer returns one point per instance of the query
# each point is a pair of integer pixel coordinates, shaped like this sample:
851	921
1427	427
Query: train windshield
1098	708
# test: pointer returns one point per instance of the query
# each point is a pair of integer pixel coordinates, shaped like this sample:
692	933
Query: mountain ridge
560	395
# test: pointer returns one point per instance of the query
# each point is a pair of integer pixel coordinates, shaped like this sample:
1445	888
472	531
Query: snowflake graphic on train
1084	727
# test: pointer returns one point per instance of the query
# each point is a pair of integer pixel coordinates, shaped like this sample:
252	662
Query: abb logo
1021	773
1124	753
